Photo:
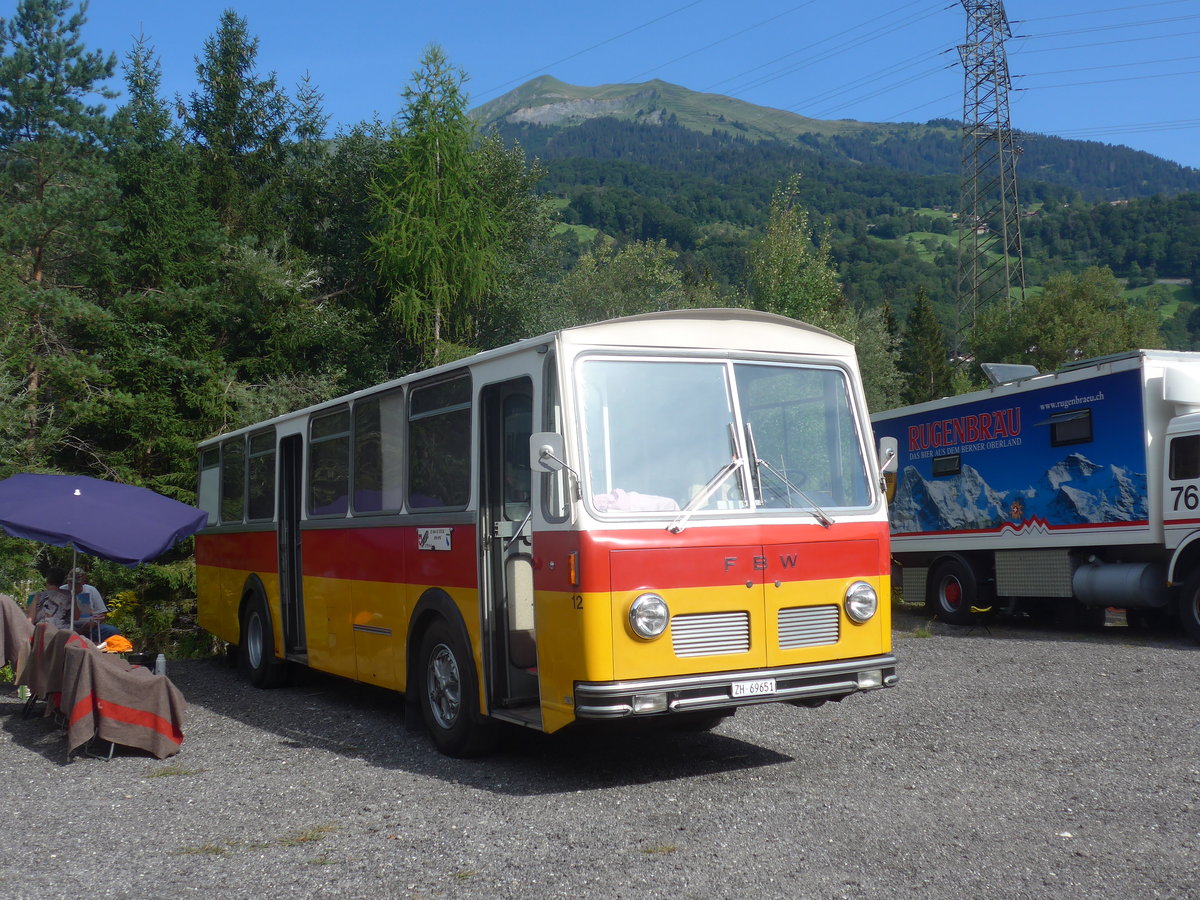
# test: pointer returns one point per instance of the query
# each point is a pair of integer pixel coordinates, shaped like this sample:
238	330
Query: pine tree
240	121
436	242
927	372
56	191
167	235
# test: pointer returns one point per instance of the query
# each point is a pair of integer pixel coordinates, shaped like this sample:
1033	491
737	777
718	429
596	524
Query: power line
1022	51
920	76
1137	128
799	50
883	30
1107	66
870	78
1045	87
615	37
728	37
1048	34
1096	12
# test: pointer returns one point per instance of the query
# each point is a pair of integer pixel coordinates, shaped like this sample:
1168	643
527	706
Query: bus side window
379	453
439	444
260	502
209	492
329	464
233	480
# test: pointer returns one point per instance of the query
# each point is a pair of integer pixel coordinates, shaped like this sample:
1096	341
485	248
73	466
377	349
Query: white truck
1079	486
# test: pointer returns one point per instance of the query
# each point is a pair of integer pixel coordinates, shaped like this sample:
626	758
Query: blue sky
1117	71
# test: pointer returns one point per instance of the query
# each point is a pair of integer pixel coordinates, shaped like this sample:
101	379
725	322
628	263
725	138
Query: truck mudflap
728	690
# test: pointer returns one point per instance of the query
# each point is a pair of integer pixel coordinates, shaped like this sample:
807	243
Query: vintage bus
667	515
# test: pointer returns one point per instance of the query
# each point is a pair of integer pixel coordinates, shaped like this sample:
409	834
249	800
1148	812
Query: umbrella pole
74	556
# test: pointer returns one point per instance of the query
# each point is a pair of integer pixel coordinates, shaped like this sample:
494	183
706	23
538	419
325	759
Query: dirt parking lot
1010	762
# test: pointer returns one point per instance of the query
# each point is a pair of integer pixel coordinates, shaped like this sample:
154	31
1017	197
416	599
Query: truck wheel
449	695
953	590
1189	606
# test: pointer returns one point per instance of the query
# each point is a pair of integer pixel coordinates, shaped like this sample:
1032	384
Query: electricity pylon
990	265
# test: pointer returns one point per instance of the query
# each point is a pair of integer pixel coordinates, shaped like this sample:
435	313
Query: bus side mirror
889	462
546	452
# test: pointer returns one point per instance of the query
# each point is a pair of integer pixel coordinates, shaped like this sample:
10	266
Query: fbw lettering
761	563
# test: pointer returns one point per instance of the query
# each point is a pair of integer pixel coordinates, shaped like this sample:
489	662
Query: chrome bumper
714	690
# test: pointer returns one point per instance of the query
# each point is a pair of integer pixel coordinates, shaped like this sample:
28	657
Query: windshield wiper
760	463
702	496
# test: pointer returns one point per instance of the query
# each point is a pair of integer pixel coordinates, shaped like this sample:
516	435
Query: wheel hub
443	686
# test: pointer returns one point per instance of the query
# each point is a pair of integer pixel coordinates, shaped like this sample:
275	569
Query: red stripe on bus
701	557
247	551
390	554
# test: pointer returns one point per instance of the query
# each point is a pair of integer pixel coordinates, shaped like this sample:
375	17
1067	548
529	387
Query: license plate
753	688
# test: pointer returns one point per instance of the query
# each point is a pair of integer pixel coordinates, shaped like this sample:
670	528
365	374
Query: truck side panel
1037	467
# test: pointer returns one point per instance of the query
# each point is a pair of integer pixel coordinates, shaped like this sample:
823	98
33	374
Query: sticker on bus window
433	538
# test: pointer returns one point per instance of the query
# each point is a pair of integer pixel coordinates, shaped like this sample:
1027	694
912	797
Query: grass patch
205	850
464	874
169	771
1176	294
583	234
307	836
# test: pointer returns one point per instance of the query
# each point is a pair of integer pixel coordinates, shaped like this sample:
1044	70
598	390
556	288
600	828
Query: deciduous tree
1075	316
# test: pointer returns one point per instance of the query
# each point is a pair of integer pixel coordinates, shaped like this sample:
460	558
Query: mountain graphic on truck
1074	491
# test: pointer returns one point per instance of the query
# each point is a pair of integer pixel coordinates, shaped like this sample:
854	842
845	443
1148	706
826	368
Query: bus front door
291	585
506	569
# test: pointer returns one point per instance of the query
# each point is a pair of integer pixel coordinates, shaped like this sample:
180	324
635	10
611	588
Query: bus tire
256	649
953	590
1188	606
448	694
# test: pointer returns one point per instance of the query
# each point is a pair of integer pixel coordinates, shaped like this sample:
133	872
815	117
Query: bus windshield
706	436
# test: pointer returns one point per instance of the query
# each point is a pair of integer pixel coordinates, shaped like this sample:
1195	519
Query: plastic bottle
160	665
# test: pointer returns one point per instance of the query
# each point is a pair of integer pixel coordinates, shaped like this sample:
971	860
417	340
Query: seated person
90	610
51	604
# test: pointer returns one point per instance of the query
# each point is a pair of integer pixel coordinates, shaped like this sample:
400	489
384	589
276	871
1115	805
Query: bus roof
739	329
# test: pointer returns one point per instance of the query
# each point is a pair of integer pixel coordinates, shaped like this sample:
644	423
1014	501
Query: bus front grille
711	634
808	626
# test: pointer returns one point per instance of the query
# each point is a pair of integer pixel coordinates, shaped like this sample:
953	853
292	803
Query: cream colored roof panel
737	329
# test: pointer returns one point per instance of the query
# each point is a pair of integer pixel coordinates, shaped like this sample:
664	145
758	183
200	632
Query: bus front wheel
256	650
449	695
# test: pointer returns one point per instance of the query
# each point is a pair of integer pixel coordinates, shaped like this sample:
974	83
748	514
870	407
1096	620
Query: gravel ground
1008	763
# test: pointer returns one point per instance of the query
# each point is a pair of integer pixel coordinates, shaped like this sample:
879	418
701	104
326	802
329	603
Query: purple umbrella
120	522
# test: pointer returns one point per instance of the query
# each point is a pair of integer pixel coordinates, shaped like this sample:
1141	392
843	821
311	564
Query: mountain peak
547	101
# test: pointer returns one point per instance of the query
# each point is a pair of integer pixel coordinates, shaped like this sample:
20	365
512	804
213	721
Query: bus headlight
861	601
648	616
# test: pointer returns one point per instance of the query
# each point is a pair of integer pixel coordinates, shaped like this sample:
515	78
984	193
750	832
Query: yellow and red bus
667	515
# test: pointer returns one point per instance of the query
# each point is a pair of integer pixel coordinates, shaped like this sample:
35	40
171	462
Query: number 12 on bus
664	516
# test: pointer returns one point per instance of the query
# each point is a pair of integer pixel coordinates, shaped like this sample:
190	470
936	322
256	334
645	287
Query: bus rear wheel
449	695
256	650
953	590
